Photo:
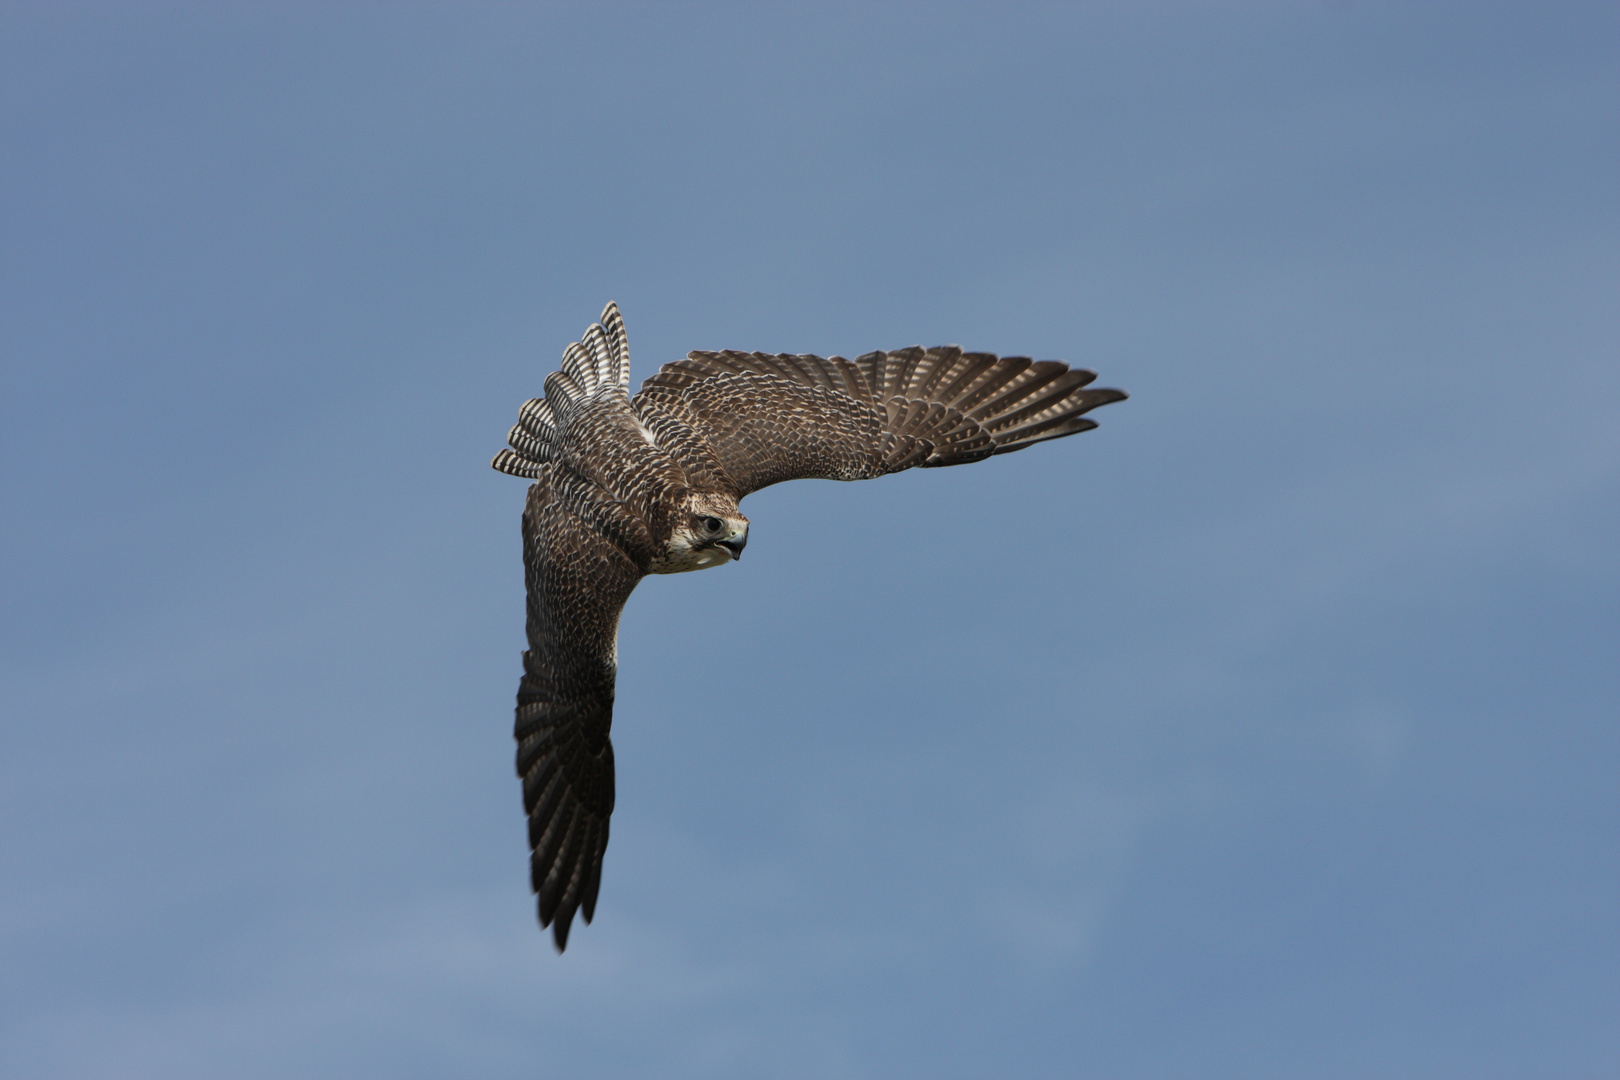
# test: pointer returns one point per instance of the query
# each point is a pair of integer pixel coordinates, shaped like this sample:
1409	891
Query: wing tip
559	933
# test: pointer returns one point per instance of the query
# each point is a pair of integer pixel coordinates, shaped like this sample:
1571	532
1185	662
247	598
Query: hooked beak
735	544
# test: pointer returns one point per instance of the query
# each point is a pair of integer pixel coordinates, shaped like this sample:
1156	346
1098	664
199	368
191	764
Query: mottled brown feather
767	418
578	580
610	472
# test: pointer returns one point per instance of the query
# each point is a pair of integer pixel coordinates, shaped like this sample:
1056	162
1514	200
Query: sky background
1270	730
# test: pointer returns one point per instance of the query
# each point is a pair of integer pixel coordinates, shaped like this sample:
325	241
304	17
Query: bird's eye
713	525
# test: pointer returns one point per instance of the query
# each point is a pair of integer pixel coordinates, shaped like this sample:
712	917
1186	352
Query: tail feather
537	419
618	345
564	393
535	449
599	361
579	365
595	340
514	464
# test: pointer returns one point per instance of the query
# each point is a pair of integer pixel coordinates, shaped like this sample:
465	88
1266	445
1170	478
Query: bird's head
707	530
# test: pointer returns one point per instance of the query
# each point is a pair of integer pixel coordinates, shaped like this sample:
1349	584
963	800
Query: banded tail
597	364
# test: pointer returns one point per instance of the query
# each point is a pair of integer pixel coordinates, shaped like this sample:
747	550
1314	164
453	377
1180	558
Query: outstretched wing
744	421
578	581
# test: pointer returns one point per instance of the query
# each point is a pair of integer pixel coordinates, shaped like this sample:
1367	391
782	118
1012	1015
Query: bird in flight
629	486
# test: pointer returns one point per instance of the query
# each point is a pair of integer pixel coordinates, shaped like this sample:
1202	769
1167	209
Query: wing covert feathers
767	418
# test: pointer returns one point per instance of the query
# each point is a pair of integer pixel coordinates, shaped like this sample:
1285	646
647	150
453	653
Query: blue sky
1269	730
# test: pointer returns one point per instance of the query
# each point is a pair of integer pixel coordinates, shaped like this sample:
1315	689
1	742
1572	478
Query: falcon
630	486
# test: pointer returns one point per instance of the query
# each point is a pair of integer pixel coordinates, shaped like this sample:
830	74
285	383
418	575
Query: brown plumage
625	487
